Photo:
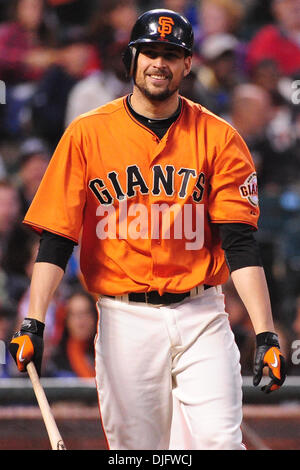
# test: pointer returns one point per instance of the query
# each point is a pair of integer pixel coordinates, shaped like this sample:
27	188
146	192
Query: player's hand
28	344
268	354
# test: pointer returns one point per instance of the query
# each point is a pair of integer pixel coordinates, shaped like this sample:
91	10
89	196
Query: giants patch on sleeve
249	190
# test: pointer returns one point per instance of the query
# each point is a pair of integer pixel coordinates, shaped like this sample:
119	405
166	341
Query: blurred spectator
280	41
266	74
219	16
297	129
14	245
3	10
112	23
26	52
3	172
73	356
72	12
99	88
48	104
15	261
25	41
257	14
252	114
290	237
33	161
285	336
282	130
296	326
251	111
219	73
7	328
175	5
186	8
9	213
192	88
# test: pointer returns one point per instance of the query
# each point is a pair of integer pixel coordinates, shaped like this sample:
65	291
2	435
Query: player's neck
153	109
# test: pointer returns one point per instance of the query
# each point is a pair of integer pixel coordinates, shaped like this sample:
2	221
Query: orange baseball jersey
143	209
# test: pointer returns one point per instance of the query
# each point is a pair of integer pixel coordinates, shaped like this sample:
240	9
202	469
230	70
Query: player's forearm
251	285
45	280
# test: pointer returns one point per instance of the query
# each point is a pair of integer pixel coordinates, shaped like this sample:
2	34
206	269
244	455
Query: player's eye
171	56
150	53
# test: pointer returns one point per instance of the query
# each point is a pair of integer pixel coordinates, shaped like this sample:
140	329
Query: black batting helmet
158	26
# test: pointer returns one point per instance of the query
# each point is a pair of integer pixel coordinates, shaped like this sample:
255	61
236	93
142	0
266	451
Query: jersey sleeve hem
39	228
237	221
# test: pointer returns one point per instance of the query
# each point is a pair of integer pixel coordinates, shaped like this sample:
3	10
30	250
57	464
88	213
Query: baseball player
161	194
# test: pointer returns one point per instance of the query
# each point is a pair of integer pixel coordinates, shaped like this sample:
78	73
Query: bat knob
60	445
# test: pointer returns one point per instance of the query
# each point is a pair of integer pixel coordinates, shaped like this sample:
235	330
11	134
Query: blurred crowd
61	58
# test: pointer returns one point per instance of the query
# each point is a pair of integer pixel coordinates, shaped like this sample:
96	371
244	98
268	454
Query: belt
154	298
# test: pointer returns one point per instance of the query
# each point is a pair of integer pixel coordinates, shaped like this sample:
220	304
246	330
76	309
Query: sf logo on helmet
166	24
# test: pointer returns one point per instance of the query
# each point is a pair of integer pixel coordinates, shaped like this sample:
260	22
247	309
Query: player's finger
22	350
270	387
258	367
275	361
277	369
257	376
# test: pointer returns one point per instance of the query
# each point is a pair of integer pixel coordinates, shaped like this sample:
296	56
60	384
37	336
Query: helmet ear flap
129	59
126	57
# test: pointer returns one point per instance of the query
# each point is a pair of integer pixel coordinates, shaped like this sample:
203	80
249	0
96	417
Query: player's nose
159	61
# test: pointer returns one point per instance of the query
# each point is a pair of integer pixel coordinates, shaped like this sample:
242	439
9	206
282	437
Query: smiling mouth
158	78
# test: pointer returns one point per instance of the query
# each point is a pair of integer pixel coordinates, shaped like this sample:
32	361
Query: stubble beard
156	96
161	96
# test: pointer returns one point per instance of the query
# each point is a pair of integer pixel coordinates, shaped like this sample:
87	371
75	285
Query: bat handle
53	432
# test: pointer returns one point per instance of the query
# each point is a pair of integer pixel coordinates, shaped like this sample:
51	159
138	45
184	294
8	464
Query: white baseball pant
169	377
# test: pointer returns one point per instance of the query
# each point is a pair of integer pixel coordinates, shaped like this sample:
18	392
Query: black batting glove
28	344
268	354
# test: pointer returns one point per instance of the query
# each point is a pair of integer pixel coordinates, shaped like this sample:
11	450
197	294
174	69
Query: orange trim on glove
272	360
25	351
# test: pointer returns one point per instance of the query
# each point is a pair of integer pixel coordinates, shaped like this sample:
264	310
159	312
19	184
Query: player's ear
187	65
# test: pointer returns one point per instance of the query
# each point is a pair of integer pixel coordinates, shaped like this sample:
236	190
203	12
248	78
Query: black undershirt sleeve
238	242
240	247
55	249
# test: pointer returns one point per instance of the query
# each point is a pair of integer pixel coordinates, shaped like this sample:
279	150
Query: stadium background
59	58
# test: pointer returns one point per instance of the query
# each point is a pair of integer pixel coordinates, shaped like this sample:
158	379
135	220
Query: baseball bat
56	440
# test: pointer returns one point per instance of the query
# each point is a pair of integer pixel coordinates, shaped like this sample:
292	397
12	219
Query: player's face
160	70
